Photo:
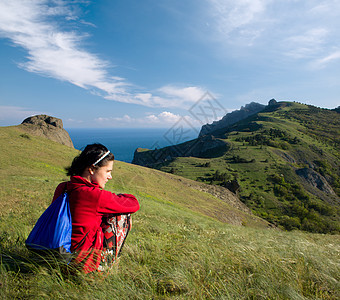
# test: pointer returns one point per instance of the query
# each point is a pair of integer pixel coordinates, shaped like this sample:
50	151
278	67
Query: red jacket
88	204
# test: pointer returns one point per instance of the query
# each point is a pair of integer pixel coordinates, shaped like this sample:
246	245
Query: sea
123	142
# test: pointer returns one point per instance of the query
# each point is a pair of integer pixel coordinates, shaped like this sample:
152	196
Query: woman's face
102	174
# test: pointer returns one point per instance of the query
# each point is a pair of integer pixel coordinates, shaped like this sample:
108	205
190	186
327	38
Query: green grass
310	136
174	249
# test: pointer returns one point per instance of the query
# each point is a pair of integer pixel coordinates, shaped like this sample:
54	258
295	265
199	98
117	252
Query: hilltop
233	117
174	249
282	162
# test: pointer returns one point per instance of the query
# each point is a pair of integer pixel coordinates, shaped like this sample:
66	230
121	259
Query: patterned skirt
116	229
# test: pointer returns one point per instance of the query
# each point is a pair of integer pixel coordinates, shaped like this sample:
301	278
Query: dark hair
88	157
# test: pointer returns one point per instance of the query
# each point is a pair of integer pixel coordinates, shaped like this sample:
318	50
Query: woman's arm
110	203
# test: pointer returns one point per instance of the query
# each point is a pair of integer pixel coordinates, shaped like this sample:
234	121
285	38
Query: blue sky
132	63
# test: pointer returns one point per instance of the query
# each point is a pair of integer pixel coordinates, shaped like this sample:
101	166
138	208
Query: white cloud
55	52
300	30
324	8
163	119
152	119
169	117
320	63
189	94
52	51
235	19
311	37
306	44
166	96
234	15
71	121
114	120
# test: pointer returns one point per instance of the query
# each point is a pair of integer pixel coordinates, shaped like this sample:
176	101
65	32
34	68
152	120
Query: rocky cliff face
206	146
315	179
48	127
233	117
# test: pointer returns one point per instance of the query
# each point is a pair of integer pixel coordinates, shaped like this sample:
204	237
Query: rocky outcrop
47	127
315	179
233	186
233	117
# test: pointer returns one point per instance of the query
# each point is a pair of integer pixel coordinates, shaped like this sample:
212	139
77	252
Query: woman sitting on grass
100	219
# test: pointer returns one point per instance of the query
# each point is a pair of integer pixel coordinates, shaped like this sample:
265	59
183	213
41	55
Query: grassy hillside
264	155
30	163
173	251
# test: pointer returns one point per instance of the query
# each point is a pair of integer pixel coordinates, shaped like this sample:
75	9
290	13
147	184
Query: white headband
102	157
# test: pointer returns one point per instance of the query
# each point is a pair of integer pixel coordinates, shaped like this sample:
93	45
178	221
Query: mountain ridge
301	142
233	117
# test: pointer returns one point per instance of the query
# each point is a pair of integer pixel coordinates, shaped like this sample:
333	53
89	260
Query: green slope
172	252
31	164
265	153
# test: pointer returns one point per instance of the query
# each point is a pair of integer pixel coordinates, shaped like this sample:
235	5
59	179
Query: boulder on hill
48	127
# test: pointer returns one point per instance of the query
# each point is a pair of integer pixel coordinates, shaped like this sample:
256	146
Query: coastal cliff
282	162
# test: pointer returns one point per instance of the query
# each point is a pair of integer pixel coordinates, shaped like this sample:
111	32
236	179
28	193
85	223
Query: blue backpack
53	230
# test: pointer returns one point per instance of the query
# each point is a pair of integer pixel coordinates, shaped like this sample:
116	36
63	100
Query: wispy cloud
306	44
299	30
181	96
52	51
56	52
322	62
234	20
166	96
163	119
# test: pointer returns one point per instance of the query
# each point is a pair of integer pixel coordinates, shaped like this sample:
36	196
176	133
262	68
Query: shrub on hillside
290	223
